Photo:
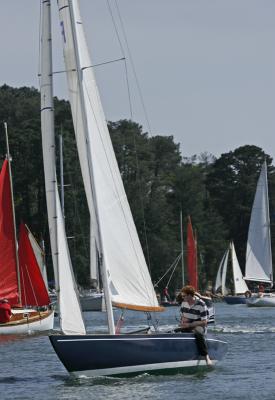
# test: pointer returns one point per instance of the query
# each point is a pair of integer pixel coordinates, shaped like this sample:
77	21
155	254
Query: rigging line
62	71
33	291
142	204
124	57
169	280
134	70
166	272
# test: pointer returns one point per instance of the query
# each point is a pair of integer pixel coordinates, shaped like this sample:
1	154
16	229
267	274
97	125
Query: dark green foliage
216	193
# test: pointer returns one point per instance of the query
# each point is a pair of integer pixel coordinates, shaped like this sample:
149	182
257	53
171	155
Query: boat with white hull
28	321
240	288
258	267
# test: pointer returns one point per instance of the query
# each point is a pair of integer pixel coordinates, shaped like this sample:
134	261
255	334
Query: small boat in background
258	267
21	281
240	288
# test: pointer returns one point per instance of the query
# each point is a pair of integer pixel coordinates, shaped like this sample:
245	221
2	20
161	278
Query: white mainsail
240	285
129	282
221	274
71	320
258	265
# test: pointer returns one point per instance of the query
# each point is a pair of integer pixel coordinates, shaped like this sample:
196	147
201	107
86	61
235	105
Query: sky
205	68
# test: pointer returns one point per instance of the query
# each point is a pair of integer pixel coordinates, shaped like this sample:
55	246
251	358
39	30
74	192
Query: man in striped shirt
194	315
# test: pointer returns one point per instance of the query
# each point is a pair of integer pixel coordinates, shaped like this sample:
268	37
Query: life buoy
247	294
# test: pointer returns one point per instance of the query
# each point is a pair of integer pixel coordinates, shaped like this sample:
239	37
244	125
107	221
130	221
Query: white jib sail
47	128
128	275
39	255
221	274
258	251
71	321
240	285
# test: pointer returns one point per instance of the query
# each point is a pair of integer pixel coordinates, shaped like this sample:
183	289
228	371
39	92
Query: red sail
192	269
33	289
8	273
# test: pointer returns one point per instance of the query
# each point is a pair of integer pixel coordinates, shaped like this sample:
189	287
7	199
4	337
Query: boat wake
237	329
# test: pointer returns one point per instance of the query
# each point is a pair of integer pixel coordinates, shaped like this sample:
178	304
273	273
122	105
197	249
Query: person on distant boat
194	315
166	296
5	311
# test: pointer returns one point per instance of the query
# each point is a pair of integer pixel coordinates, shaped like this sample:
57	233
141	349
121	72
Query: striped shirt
196	312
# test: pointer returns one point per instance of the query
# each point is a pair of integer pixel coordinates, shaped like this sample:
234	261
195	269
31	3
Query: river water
30	368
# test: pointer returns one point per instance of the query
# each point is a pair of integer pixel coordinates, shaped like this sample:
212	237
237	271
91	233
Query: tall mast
268	221
108	301
181	241
61	174
13	216
47	129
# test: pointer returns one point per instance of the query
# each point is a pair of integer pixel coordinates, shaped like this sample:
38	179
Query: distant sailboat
125	276
21	281
258	267
240	289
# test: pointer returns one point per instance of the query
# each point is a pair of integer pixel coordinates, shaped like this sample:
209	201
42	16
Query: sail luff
221	272
47	130
258	251
224	272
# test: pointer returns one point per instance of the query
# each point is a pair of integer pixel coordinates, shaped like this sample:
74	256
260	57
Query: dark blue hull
99	355
235	299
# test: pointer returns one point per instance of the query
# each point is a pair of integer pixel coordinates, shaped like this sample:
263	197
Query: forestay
118	243
258	252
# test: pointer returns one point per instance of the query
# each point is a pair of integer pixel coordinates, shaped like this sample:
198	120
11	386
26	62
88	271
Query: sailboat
125	276
21	282
240	288
258	267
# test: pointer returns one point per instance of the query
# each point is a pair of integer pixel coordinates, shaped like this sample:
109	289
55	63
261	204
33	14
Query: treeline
216	193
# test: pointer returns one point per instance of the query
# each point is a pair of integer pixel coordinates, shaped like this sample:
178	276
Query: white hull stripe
141	368
133	339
